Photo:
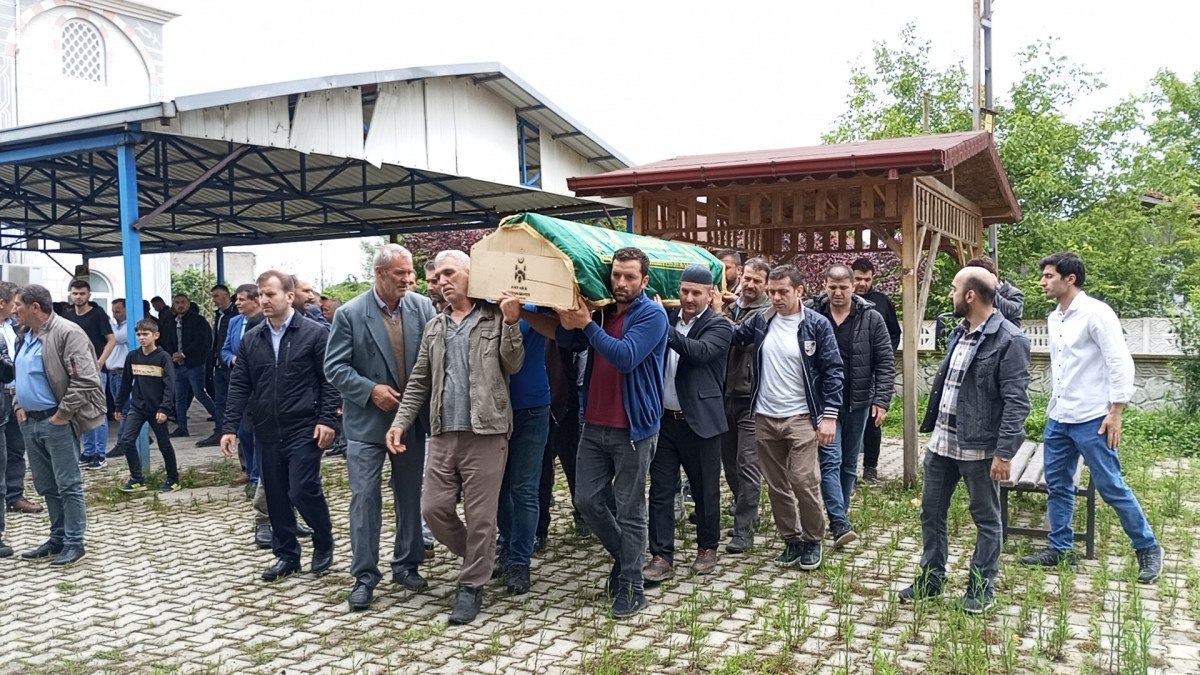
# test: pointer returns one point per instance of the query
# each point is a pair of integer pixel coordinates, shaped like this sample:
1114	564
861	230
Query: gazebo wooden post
909	254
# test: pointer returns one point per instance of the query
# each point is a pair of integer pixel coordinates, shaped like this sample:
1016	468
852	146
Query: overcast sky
656	78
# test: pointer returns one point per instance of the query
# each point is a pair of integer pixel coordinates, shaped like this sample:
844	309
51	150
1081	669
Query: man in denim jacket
977	412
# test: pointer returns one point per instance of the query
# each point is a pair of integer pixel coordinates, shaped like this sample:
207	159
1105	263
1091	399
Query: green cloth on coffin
591	249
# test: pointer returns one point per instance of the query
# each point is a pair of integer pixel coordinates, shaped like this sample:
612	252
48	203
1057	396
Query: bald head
979	280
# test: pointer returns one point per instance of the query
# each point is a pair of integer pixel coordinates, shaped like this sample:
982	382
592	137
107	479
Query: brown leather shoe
706	561
658	571
241	479
23	505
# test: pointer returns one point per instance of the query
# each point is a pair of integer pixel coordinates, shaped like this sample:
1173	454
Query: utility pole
982	113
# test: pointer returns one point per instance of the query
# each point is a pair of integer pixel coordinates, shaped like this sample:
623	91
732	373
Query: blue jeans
53	457
611	469
143	439
189	382
942	475
1063	444
518	513
839	464
95	442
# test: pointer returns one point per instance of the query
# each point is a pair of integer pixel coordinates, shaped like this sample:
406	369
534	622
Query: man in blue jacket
622	407
796	398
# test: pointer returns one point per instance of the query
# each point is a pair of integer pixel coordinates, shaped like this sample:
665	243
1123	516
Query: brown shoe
706	561
241	479
23	505
658	571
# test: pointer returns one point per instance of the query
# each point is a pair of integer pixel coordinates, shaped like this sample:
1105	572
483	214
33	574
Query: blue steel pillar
220	264
131	253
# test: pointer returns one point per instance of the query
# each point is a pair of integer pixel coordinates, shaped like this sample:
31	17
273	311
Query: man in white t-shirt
796	398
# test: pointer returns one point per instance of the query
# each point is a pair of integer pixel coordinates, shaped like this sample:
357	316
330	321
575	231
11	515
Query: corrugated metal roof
937	153
277	187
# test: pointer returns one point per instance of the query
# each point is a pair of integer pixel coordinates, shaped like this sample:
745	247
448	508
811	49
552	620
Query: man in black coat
279	380
692	424
187	337
870	374
864	282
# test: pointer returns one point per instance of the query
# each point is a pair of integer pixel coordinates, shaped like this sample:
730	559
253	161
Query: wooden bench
1028	474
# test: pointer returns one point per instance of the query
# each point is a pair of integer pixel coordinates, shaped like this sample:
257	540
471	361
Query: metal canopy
59	180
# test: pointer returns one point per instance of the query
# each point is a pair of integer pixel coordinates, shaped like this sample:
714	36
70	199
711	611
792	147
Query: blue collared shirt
393	313
33	389
277	335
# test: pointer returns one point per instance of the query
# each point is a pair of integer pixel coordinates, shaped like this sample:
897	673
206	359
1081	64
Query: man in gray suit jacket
372	348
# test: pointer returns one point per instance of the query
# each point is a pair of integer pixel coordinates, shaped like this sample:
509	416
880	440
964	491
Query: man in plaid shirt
977	412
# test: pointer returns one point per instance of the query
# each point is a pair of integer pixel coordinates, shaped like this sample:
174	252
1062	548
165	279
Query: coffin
550	262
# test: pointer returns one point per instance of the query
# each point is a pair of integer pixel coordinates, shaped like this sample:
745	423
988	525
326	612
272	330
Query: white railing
1152	336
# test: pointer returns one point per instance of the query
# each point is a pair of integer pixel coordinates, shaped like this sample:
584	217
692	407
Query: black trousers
291	476
679	446
872	437
127	444
563	442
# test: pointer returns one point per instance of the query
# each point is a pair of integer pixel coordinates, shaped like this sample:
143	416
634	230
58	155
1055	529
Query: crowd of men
469	402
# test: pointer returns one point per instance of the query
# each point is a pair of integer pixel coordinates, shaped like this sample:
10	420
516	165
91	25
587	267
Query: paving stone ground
171	585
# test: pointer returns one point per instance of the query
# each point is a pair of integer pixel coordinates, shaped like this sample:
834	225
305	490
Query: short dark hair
863	265
985	262
1066	263
788	272
119	301
8	290
80	283
286	281
250	290
727	253
34	294
219	287
757	264
984	289
181	295
147	325
633	253
430	266
157	298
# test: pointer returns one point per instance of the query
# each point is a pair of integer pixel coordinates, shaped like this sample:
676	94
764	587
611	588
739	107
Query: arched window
82	52
101	291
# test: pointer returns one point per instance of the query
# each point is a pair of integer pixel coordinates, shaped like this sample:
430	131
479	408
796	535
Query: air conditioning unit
17	274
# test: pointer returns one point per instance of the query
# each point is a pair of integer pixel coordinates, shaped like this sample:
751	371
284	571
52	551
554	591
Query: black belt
674	414
36	415
115	371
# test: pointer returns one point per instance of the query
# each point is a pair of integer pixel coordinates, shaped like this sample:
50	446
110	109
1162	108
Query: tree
349	288
197	286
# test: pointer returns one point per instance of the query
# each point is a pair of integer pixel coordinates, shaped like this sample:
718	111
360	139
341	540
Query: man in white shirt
1093	380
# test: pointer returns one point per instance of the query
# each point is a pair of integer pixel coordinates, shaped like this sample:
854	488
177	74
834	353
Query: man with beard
977	410
98	327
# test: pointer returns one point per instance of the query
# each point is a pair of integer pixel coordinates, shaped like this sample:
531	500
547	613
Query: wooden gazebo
914	196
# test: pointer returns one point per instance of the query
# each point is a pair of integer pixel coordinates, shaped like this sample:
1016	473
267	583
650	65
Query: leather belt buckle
674	414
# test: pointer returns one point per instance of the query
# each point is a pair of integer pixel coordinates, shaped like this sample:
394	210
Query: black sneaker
978	598
614	580
790	556
68	556
179	434
628	601
842	534
870	475
810	555
1149	564
501	563
926	586
1050	557
516	579
132	485
95	463
46	550
210	442
6	551
115	453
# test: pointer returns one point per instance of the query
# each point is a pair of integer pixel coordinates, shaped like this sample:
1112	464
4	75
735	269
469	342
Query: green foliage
197	285
345	290
1161	433
1080	180
1035	424
1187	328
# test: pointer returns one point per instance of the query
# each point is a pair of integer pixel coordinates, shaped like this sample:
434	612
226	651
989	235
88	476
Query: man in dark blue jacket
796	354
693	421
622	406
279	379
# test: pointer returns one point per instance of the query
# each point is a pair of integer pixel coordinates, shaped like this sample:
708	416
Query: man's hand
510	307
20	416
228	444
826	430
233	362
878	414
385	398
58	421
717	300
178	357
395	440
324	435
658	300
1112	425
99	366
728	298
578	317
117	415
1000	468
160	417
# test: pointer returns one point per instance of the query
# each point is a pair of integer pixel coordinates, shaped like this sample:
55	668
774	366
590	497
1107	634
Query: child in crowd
150	379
